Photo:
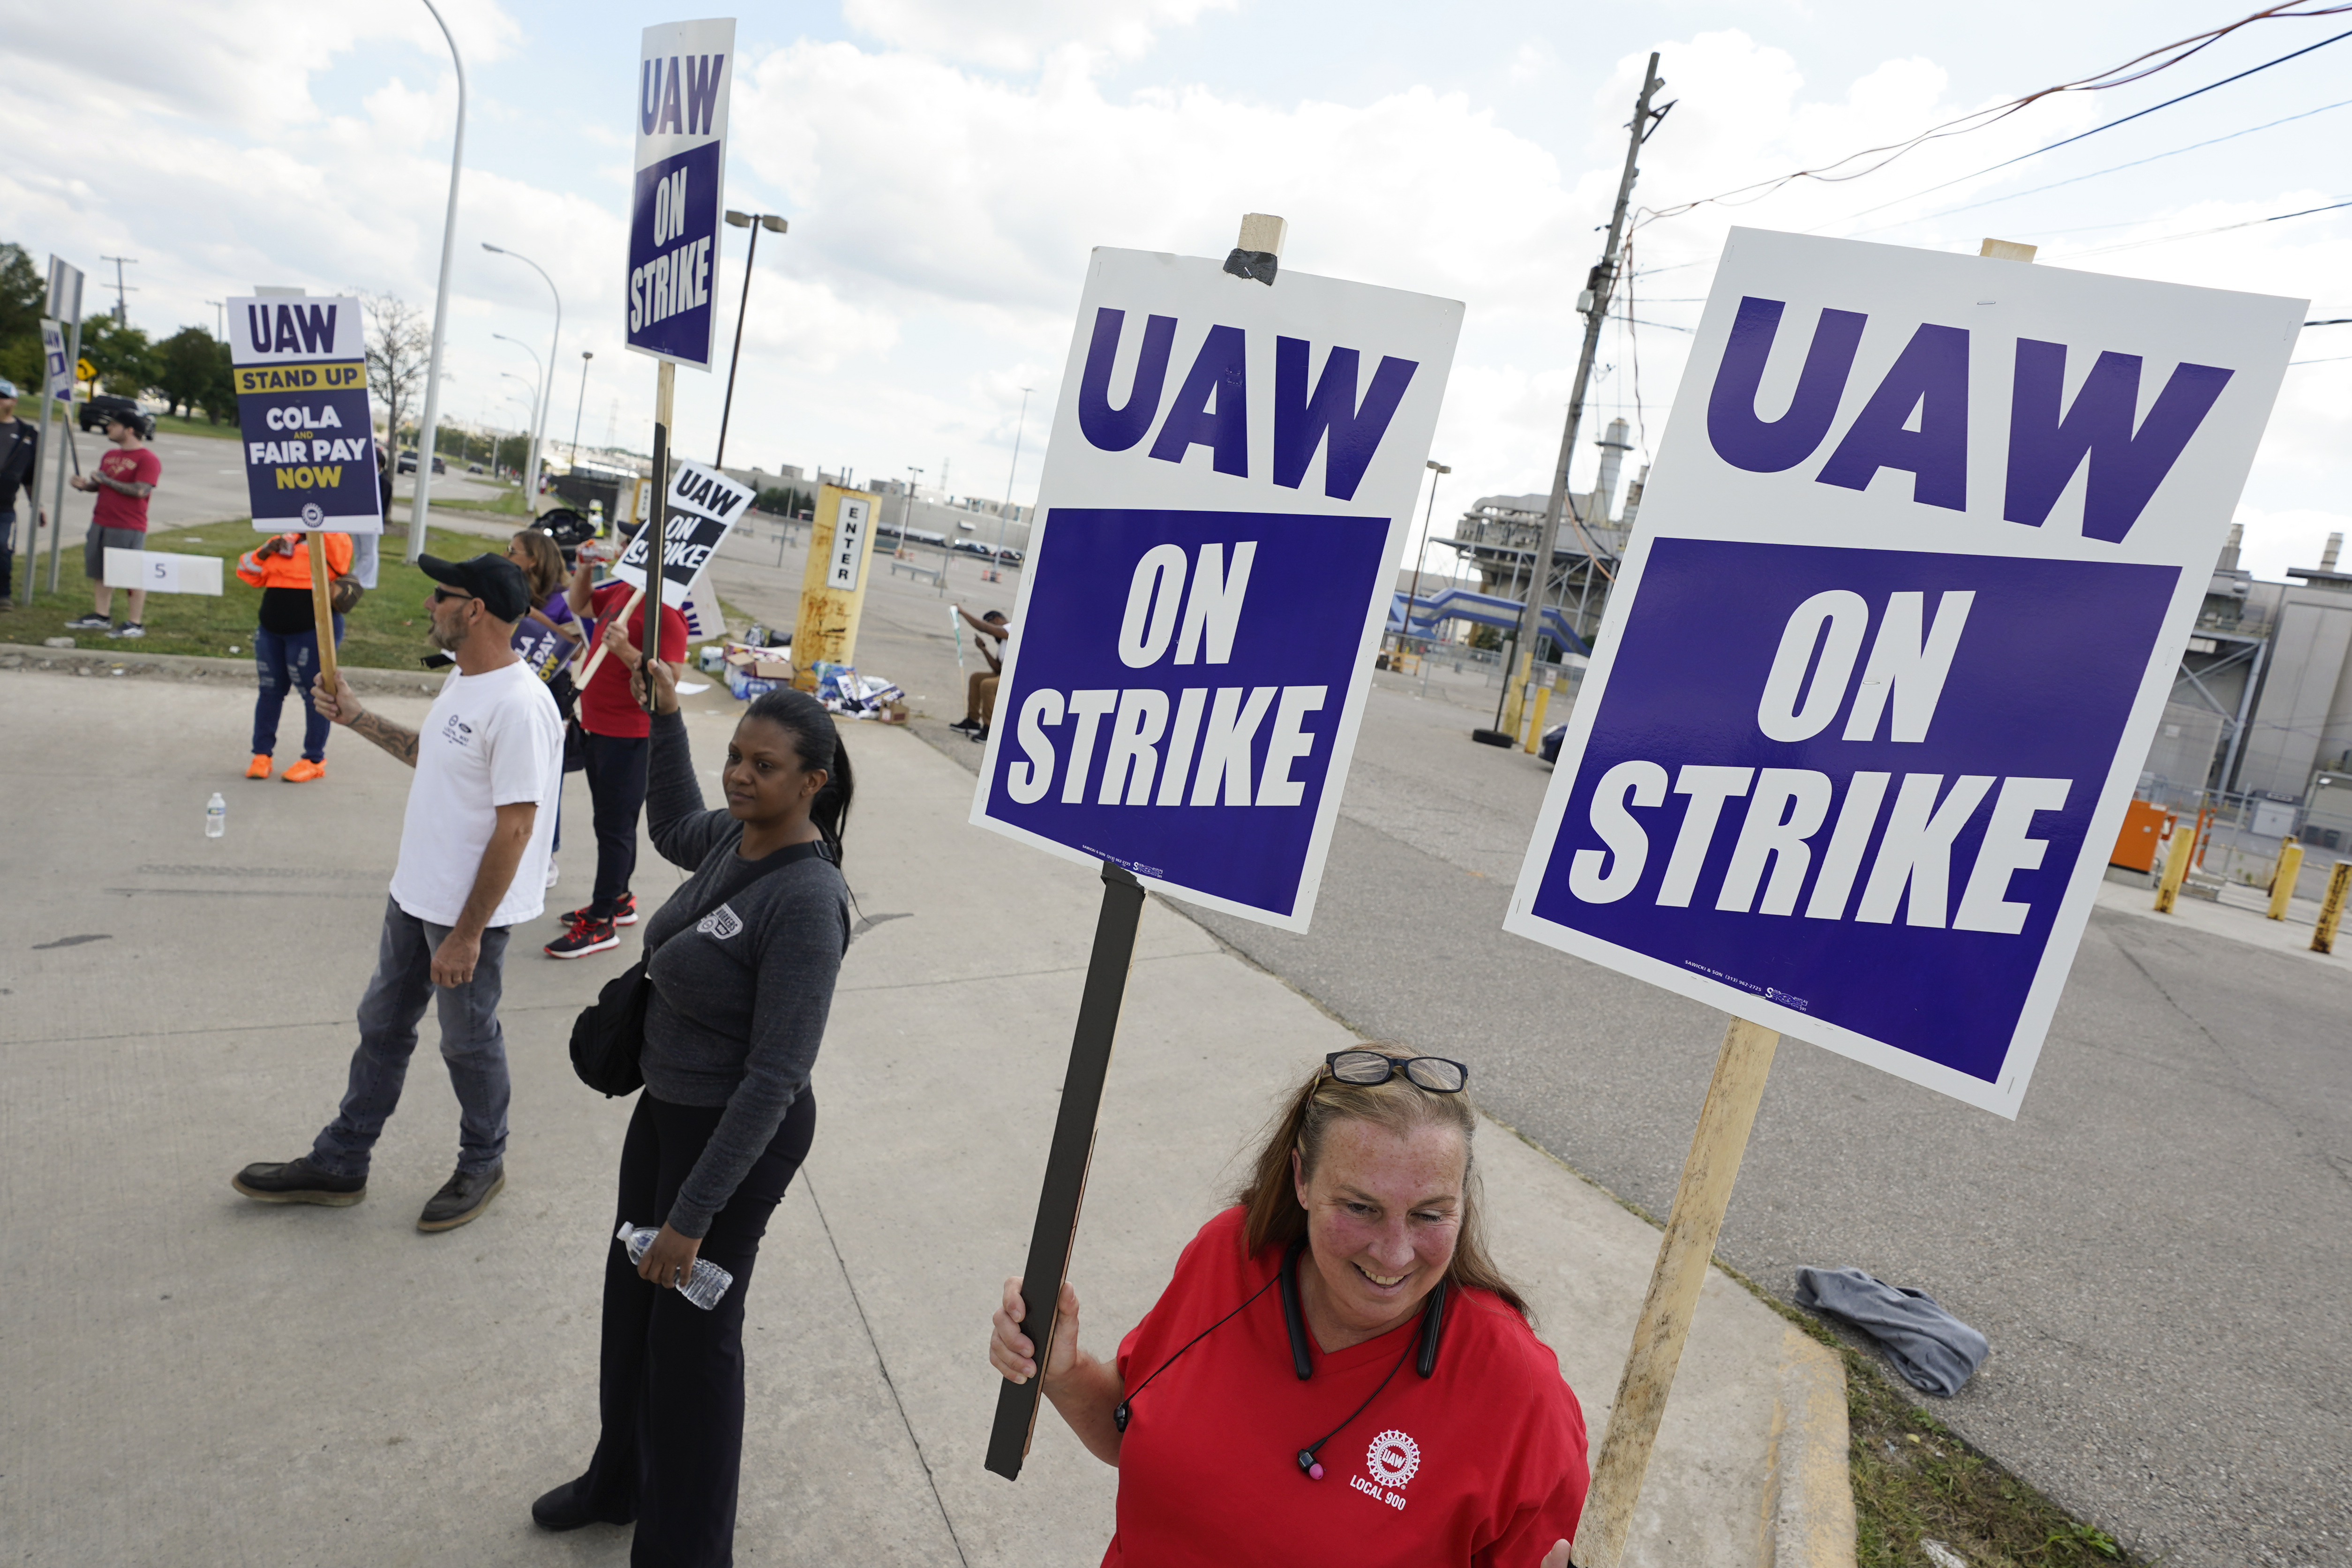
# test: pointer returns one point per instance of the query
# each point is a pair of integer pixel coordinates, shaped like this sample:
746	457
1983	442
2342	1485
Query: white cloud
1016	34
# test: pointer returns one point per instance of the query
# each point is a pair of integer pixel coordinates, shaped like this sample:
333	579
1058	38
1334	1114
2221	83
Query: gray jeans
471	1043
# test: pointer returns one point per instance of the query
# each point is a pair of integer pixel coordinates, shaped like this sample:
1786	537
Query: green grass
507	503
387	632
172	425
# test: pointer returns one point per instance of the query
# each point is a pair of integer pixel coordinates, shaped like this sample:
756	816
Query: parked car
408	463
1552	739
473	468
98	410
1008	556
973	546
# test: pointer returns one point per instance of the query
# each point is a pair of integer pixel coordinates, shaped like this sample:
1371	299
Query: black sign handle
1067	1160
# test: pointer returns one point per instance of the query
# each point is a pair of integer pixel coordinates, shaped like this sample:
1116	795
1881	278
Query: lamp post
755	222
1020	422
536	377
539	399
585	355
531	412
420	505
1438	470
220	314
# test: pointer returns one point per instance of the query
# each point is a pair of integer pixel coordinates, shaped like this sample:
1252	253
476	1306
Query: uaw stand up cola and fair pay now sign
1922	545
1230	479
300	368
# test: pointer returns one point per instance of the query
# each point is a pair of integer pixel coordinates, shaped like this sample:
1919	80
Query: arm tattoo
397	739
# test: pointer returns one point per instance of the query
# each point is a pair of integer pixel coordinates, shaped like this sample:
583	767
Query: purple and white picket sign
683	72
1922	545
1230	478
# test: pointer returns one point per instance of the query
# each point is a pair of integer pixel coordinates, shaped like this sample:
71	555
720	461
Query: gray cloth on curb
1931	1348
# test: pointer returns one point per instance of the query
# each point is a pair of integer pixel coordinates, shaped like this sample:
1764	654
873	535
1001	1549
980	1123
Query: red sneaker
584	938
626	914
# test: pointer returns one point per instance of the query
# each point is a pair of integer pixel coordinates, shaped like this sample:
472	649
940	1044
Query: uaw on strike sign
1924	540
301	369
702	506
1230	477
683	70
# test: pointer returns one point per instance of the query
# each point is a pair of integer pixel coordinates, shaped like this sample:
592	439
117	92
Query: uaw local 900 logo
1392	1459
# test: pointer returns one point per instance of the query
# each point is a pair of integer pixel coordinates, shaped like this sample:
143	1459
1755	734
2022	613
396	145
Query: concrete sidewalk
196	1379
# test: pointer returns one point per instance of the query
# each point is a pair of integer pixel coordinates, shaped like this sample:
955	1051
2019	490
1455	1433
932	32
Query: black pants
671	1375
617	784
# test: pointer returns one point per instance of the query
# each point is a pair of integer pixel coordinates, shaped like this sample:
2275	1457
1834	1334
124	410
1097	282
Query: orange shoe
259	767
304	770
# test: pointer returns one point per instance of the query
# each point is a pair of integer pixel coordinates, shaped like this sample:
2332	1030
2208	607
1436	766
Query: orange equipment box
2136	845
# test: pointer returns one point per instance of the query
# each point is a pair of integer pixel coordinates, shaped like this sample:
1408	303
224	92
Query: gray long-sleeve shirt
738	1000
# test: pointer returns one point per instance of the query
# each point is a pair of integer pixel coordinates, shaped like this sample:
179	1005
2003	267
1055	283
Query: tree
122	357
22	298
192	370
399	340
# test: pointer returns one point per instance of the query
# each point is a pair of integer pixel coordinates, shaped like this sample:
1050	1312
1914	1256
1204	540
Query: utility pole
1598	286
121	305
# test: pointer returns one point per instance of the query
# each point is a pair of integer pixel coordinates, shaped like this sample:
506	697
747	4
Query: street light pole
531	412
1437	471
420	505
1019	423
1598	286
580	407
546	394
220	311
755	222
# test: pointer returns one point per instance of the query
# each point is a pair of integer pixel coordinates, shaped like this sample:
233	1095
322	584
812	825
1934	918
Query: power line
2139	67
2110	125
2096	173
2195	234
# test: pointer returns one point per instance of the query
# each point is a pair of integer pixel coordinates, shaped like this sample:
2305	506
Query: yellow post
2290	866
1536	720
2331	909
2176	866
832	584
1515	689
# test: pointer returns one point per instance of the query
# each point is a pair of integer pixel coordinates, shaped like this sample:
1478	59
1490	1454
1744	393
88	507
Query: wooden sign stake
1683	1254
322	608
649	632
1067	1159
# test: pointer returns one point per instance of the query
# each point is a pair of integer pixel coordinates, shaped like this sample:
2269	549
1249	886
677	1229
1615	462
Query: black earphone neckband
1294	1319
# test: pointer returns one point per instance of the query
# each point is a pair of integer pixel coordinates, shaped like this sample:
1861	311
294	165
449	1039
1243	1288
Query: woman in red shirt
1337	1372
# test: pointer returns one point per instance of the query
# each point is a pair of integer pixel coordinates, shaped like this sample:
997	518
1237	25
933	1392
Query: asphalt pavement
2150	1246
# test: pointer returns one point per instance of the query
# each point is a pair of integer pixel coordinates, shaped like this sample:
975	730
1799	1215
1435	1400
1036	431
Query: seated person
980	689
1360	1221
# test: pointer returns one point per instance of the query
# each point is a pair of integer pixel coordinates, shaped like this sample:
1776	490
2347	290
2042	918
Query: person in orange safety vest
286	645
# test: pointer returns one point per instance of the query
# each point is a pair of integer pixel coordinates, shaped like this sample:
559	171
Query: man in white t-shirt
473	863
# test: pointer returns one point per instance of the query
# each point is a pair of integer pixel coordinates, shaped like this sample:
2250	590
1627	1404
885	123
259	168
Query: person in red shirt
126	476
1337	1372
615	729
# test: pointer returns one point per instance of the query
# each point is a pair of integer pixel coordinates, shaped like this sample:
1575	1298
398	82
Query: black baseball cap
494	580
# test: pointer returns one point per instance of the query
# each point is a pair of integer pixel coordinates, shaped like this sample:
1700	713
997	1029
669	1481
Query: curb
1809	1518
193	667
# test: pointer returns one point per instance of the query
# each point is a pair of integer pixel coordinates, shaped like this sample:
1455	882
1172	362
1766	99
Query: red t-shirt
1482	1463
111	508
607	707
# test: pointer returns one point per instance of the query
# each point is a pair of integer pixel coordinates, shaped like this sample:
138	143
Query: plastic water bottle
216	816
703	1285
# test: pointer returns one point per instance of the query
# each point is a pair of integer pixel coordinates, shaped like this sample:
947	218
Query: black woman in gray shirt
738	1009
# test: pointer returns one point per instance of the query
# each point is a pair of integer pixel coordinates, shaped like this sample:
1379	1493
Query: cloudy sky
946	165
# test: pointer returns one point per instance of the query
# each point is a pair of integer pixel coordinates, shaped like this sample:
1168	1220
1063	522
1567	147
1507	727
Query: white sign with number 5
158	572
